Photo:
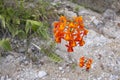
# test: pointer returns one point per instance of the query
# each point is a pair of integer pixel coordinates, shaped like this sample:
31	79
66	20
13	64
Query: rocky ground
102	45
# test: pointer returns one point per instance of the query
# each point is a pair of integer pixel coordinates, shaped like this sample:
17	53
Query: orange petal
63	19
56	24
71	25
79	19
62	27
72	43
70	49
85	32
82	58
78	38
81	43
81	63
81	25
90	61
56	34
59	34
67	37
58	40
88	64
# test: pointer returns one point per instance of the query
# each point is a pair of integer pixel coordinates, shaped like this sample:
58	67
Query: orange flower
58	40
82	60
56	24
67	35
88	64
78	37
62	27
58	36
85	62
81	43
81	25
63	19
71	25
71	31
79	19
85	32
70	48
72	43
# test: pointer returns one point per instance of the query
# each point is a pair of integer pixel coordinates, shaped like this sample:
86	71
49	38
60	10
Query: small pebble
26	62
63	72
42	74
60	68
96	22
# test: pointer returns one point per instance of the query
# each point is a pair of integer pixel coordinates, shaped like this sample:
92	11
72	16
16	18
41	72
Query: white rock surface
69	14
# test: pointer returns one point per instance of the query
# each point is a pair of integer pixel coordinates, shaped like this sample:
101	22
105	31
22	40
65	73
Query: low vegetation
23	19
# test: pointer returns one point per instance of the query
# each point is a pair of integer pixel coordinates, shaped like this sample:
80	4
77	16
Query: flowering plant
72	31
85	62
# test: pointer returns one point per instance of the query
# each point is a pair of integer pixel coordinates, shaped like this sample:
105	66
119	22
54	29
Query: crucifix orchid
72	31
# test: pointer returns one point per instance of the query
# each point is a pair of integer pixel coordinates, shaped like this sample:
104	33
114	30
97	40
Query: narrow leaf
32	25
2	21
53	56
43	33
20	34
5	44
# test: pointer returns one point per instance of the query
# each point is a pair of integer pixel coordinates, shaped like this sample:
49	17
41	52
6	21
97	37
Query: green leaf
32	25
43	33
2	21
5	44
53	56
10	12
20	34
12	29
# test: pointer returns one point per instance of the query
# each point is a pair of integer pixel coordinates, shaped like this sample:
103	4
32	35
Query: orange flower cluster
85	62
71	31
